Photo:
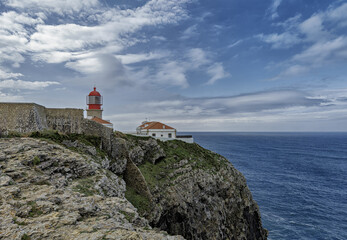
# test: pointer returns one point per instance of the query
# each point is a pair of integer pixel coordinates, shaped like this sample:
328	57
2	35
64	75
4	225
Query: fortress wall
65	120
22	117
90	127
31	117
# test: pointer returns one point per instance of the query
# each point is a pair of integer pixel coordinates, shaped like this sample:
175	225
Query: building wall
22	117
159	132
94	113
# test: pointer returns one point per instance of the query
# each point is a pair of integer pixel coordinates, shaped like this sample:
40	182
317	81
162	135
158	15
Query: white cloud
14	34
269	110
273	9
325	44
19	84
283	40
313	28
321	52
189	32
61	6
217	72
338	15
235	44
140	57
173	74
6	75
5	97
197	57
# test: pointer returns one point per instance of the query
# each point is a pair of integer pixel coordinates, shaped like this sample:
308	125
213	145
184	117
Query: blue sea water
299	180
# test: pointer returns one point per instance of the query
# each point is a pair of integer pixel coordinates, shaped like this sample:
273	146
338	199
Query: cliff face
192	191
79	189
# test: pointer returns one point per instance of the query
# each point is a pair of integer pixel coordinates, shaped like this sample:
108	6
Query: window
153	134
170	135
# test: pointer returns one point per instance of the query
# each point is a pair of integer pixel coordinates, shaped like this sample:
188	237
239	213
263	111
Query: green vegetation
142	203
11	134
42	182
85	186
163	173
197	157
57	137
18	222
128	216
34	211
25	237
36	160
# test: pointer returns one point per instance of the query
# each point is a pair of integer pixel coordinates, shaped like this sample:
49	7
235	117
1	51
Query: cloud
324	44
141	57
61	7
197	57
173	74
323	51
313	28
235	44
217	72
189	32
14	35
89	38
5	97
291	71
20	85
102	69
272	11
283	40
338	15
268	110
6	75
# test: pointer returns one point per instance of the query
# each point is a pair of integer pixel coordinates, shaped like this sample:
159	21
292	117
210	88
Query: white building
161	131
156	129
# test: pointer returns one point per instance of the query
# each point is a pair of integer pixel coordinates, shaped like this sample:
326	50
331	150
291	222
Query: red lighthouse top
94	93
94	100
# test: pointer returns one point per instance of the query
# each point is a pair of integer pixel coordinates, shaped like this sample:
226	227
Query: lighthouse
94	102
94	110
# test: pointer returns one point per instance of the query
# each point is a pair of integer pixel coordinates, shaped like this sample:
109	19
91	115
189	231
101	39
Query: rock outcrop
50	192
130	188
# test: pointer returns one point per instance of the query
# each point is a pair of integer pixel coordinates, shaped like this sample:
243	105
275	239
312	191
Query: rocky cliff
57	186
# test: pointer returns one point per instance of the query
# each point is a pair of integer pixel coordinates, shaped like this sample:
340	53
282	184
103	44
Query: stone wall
92	128
31	117
66	120
22	117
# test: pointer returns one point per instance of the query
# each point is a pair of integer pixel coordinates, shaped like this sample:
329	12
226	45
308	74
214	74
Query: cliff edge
72	186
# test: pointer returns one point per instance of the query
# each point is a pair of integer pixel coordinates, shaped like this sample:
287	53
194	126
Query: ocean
299	180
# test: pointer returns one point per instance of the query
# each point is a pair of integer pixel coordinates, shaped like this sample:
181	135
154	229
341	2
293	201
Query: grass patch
36	160
42	182
34	211
86	187
128	216
25	237
176	151
57	137
140	202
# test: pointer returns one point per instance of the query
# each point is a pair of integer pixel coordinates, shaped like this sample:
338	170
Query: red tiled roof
99	120
155	125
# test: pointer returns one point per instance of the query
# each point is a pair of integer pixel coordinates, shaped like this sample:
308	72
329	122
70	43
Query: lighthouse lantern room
94	102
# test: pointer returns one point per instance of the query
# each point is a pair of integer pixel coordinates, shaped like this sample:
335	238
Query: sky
196	65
